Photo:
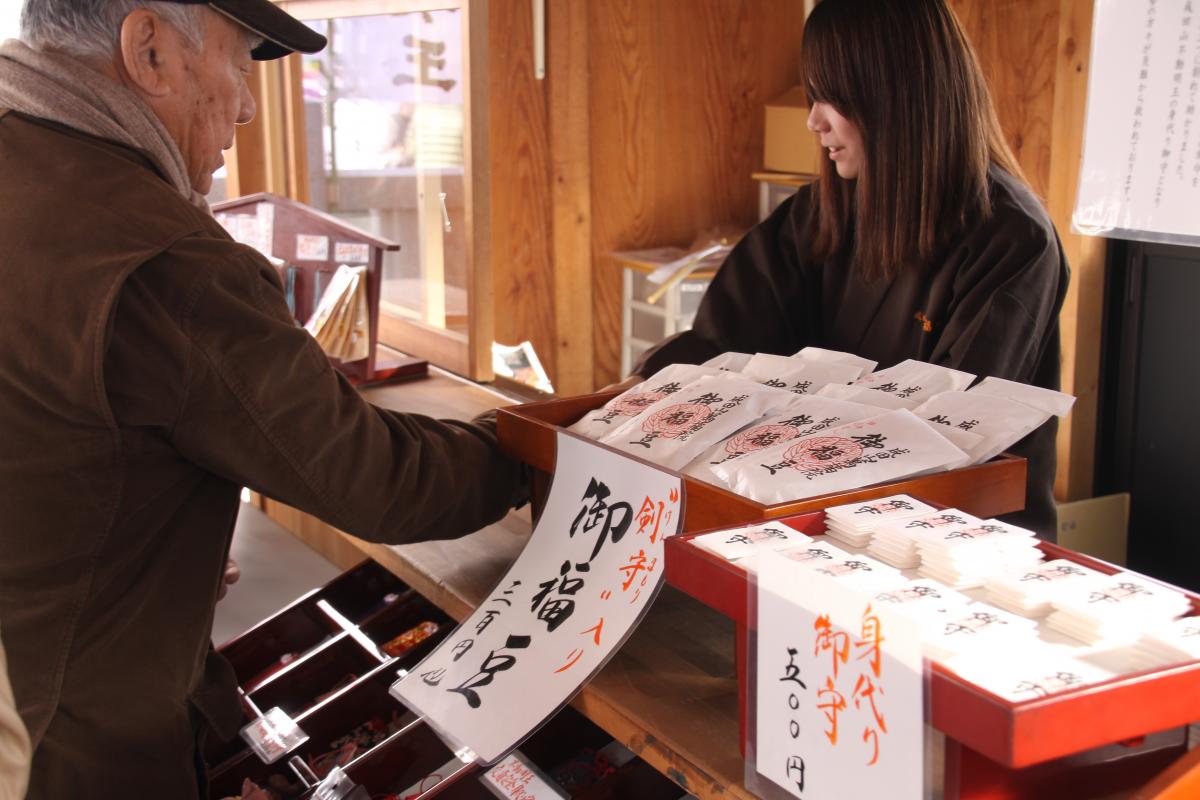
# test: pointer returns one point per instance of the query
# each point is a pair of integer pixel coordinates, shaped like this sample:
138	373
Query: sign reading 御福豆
1140	176
839	690
578	589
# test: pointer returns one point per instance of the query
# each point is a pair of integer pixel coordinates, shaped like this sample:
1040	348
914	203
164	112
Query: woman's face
840	138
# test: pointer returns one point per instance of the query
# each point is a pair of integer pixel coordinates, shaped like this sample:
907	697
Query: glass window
383	118
10	19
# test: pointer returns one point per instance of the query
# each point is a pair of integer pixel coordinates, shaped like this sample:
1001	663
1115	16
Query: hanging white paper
840	689
576	592
1140	177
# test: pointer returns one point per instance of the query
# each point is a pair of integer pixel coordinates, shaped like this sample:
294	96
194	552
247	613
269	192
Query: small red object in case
409	639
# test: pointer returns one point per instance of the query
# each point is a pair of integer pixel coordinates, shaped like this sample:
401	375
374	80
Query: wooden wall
1036	55
677	117
644	132
522	268
1015	41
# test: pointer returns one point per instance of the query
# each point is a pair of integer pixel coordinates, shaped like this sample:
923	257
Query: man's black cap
282	33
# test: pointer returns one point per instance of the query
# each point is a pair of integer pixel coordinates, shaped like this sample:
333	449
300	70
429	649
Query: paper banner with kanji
840	690
576	592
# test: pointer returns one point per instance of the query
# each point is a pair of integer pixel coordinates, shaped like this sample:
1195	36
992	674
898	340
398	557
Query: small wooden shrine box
313	245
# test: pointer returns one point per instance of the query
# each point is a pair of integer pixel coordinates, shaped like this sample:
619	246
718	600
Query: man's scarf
62	89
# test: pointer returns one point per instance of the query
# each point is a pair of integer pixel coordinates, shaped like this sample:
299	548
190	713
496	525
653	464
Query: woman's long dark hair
904	73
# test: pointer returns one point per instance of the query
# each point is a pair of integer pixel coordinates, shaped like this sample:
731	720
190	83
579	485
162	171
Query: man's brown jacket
149	368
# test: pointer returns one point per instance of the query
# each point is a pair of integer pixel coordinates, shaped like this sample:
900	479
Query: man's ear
146	44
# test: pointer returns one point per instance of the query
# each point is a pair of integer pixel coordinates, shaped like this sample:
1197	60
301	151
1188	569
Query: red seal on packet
822	452
676	420
635	404
759	437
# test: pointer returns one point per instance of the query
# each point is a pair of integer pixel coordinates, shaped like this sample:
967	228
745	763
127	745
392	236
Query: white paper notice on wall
840	691
579	588
1140	177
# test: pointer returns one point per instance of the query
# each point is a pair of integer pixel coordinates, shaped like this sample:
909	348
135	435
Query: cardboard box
789	146
1098	526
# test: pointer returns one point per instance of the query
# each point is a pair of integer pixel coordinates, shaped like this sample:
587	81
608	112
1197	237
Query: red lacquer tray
1014	735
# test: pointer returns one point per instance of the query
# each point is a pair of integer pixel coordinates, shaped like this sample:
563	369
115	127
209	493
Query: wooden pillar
259	160
570	194
1082	314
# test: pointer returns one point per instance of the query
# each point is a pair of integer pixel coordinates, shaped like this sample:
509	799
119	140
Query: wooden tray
1015	735
527	432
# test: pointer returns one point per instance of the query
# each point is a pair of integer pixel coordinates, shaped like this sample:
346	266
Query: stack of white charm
923	600
854	523
1030	593
849	569
740	543
810	554
1173	643
895	541
1040	670
1116	610
976	628
964	556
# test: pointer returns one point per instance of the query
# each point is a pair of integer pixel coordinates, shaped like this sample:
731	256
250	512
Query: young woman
920	239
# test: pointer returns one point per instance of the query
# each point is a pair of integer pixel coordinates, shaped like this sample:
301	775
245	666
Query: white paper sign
576	592
840	690
351	252
515	778
1141	158
312	248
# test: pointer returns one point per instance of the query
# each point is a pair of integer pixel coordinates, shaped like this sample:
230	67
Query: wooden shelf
670	694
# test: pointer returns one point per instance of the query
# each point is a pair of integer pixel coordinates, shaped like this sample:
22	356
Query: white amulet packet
741	542
666	381
914	382
887	447
677	428
797	375
852	393
728	362
999	421
1048	400
836	357
805	416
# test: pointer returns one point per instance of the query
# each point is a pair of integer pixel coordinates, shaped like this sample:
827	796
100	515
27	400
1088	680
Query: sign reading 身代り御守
839	690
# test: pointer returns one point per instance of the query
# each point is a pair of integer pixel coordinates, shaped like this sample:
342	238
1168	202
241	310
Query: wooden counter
670	694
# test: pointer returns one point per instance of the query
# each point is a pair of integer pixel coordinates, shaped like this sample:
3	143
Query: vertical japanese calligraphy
575	593
1141	169
840	690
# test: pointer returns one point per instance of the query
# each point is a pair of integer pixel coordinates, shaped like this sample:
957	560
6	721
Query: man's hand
232	573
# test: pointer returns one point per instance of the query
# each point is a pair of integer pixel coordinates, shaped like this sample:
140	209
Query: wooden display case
528	432
1115	734
335	685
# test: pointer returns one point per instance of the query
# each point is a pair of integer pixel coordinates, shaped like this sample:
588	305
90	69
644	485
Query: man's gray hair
91	29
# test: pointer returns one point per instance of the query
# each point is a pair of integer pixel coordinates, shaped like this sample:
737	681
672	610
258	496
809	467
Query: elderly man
148	369
14	743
